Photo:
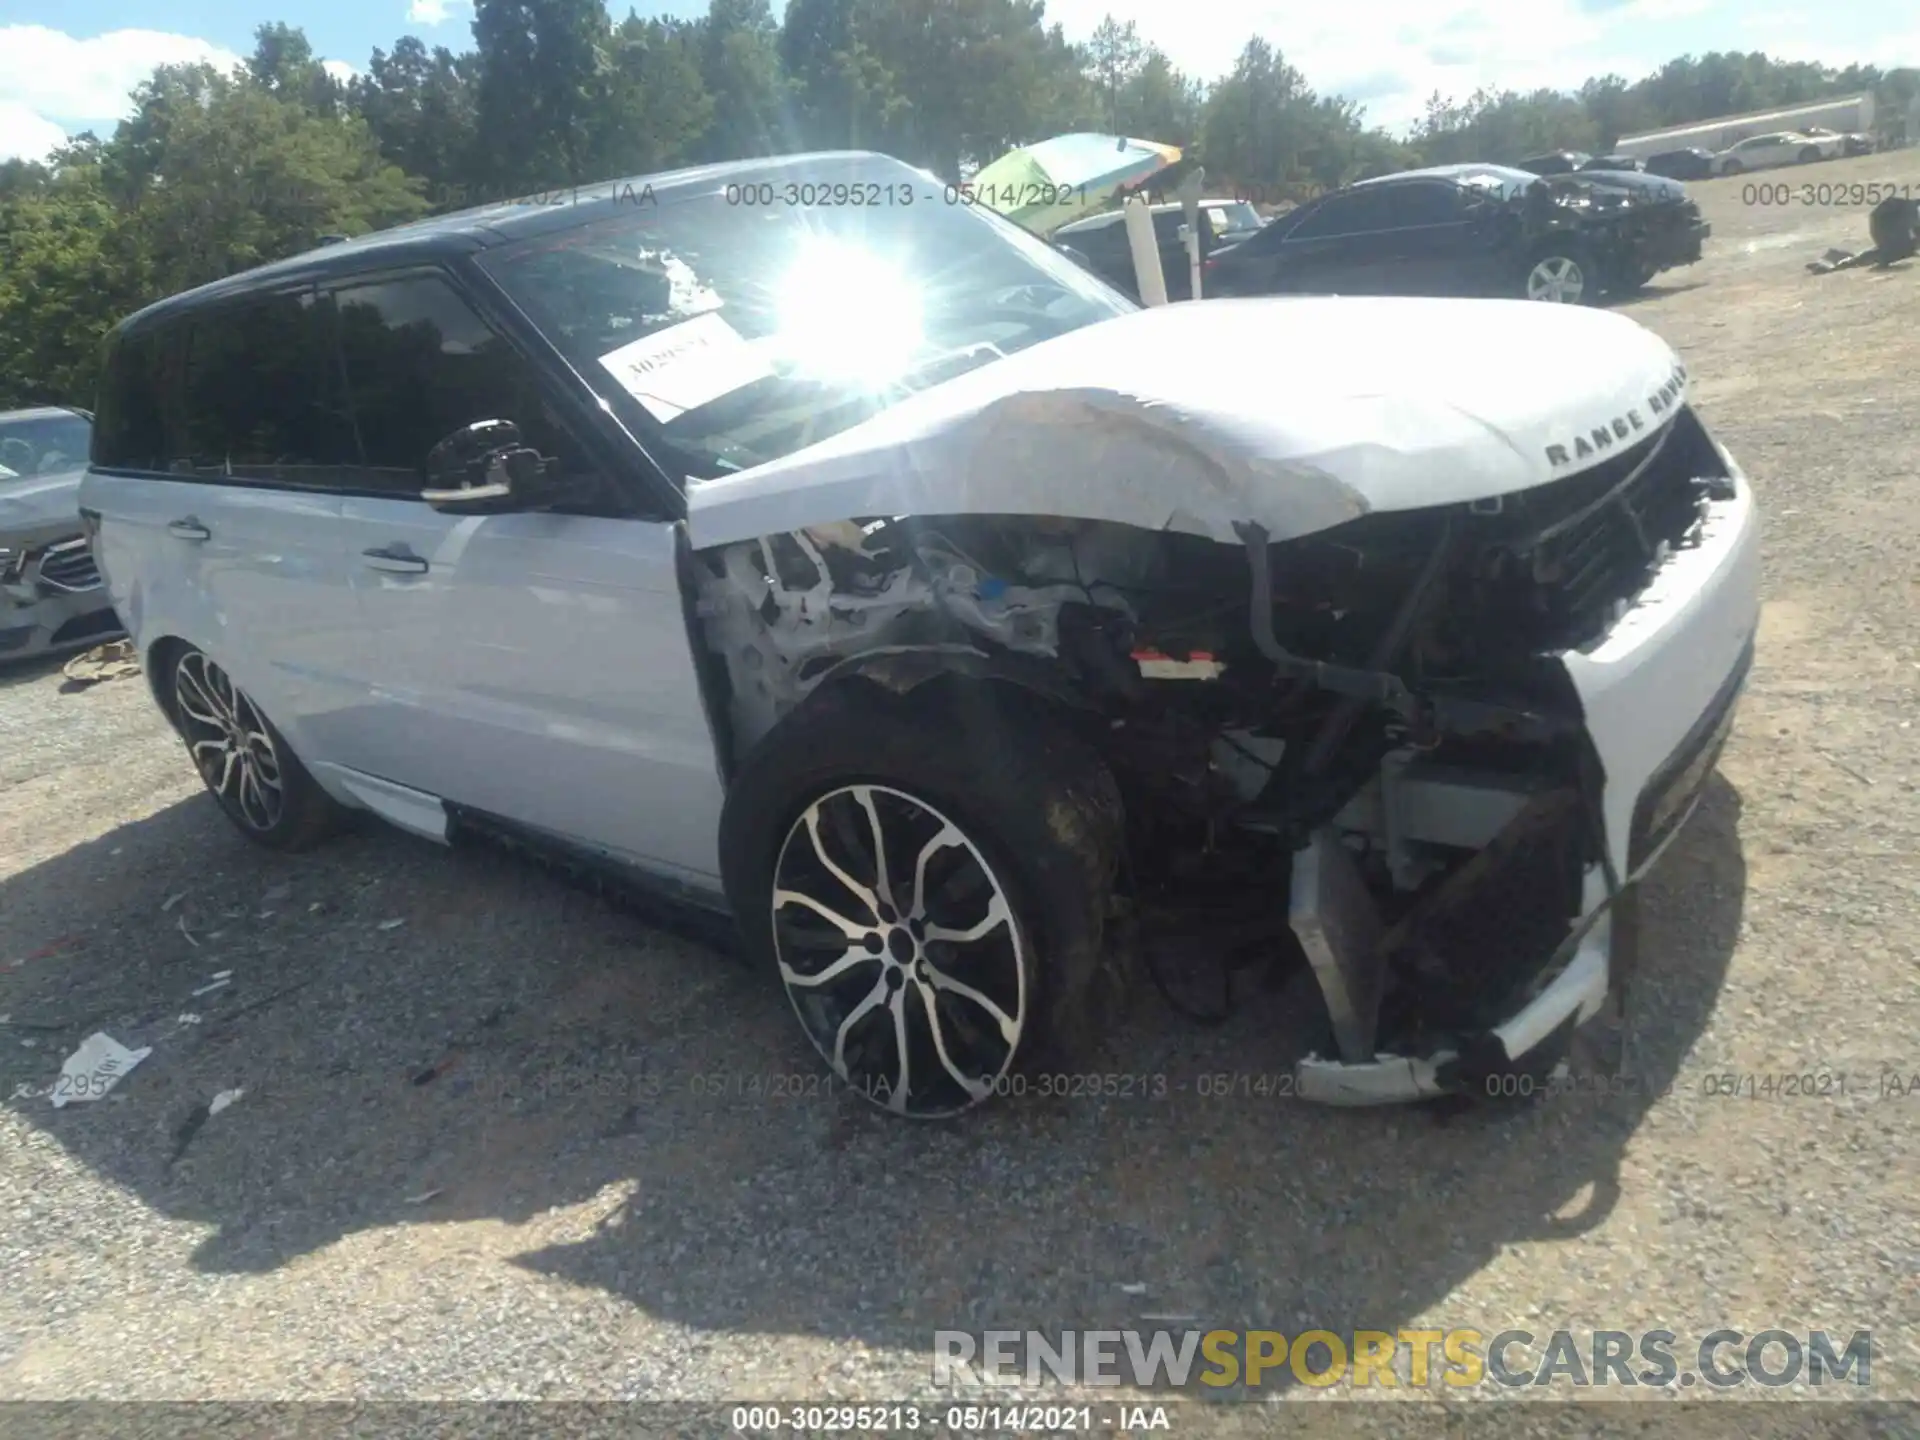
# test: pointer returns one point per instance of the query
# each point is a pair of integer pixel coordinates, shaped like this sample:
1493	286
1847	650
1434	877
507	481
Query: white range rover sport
872	574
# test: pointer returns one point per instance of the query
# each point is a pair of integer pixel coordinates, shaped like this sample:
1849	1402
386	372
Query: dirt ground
521	1145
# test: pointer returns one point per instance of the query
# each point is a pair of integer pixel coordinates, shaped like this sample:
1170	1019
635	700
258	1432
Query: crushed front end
1425	752
1552	679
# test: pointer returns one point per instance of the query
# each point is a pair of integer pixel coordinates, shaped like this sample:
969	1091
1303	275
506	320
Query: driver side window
418	363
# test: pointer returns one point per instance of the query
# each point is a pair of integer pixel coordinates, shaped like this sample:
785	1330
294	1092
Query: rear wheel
1560	272
1732	167
245	762
930	885
1810	155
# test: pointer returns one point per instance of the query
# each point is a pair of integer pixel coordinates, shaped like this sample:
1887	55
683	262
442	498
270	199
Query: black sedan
1471	230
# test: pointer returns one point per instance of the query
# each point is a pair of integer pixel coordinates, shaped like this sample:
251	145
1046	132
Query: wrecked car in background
1472	230
881	579
51	598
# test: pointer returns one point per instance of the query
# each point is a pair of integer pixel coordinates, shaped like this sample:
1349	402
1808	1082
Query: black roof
463	232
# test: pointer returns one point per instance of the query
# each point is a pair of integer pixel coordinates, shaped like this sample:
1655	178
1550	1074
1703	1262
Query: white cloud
25	135
433	12
1392	54
51	82
339	70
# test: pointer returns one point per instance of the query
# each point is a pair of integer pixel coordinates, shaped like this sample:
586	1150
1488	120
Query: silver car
51	598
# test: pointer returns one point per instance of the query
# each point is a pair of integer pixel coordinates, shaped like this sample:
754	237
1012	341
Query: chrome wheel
229	741
898	947
1557	279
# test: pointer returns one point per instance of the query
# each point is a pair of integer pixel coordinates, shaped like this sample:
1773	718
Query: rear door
220	524
533	666
1433	241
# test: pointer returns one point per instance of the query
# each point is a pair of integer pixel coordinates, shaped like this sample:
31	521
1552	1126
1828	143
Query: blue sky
67	65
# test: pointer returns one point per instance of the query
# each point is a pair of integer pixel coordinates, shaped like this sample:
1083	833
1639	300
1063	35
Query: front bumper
52	600
1683	245
1659	691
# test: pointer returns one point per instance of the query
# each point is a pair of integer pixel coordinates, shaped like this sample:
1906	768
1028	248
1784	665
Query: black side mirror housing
485	469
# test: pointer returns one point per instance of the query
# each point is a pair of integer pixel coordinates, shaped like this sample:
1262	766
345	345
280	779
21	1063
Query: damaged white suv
834	555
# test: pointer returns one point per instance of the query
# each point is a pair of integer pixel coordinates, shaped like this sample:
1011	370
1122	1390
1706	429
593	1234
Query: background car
1851	143
1471	230
1557	162
51	598
1102	241
1689	164
1615	163
1785	147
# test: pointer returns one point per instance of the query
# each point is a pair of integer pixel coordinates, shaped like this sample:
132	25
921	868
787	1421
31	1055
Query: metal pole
1146	251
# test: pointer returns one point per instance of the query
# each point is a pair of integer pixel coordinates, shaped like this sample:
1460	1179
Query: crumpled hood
1637	183
37	505
1297	414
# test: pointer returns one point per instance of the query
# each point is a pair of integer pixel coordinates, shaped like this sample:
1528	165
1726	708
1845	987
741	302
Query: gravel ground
520	1145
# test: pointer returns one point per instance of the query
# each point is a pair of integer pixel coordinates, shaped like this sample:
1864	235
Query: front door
534	666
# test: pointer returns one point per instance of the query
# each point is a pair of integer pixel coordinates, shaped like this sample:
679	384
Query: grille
69	566
1588	544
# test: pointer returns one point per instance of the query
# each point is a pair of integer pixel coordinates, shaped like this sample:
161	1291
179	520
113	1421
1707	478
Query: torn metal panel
1339	927
1292	414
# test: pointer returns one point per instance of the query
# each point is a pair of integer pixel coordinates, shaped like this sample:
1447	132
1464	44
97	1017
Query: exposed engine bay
1360	746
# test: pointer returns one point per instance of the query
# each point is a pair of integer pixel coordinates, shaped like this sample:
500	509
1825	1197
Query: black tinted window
258	399
421	364
1428	203
1354	213
129	423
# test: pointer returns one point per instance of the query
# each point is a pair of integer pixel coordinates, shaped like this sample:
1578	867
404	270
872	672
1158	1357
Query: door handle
189	529
394	560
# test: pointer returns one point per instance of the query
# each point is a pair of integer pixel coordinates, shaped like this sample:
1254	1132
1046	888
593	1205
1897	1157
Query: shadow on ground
515	1044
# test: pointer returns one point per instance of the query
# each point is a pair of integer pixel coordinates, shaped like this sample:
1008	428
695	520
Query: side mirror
484	469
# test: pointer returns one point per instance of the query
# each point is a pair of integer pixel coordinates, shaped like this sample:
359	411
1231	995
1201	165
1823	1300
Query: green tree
740	63
537	84
420	108
283	65
841	94
1115	59
656	110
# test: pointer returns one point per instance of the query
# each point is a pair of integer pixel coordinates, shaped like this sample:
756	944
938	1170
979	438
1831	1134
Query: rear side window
1427	202
1354	213
259	398
129	412
419	364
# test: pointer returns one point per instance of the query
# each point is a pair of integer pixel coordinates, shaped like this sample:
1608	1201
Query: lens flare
846	314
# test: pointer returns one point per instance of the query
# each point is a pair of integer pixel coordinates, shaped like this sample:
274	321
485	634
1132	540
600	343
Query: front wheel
1810	155
929	884
246	763
1560	273
1732	167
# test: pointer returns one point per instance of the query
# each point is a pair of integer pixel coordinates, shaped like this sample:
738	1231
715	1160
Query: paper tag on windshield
685	366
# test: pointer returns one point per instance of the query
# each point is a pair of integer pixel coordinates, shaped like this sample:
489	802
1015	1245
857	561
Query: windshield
43	445
738	327
1233	215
